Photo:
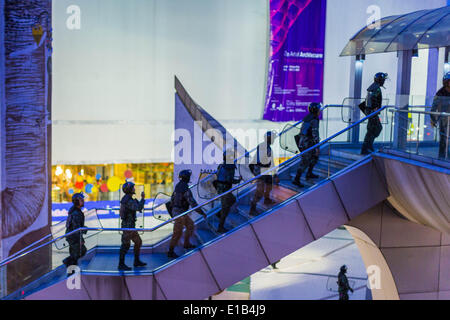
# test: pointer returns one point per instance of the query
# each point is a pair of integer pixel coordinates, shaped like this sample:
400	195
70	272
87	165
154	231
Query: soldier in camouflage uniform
308	137
343	284
128	208
75	220
181	200
441	103
374	102
224	182
263	161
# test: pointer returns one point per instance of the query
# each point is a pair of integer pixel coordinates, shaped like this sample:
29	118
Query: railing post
432	85
356	73
402	101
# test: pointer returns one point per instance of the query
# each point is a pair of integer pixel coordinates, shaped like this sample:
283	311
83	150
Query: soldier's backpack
362	106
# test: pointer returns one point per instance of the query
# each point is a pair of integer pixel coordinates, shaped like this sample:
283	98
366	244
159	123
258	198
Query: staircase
298	217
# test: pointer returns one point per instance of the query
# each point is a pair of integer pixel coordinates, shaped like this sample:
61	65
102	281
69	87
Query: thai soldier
441	103
263	162
374	102
224	182
181	200
308	137
75	220
128	209
343	284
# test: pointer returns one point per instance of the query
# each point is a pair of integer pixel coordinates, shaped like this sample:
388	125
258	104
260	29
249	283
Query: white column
402	98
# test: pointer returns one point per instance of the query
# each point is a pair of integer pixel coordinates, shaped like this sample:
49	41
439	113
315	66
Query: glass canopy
417	30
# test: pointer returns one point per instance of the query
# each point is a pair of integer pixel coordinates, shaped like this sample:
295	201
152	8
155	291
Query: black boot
296	180
221	229
253	211
268	201
138	263
311	175
122	266
172	254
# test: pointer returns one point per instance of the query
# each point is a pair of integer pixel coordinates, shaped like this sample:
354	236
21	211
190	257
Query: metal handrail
443	114
153	207
240	157
290	161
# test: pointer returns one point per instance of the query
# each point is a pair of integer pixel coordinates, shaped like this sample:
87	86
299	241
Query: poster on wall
297	52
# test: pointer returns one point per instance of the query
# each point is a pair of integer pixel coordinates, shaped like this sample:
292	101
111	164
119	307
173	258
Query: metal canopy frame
422	29
404	34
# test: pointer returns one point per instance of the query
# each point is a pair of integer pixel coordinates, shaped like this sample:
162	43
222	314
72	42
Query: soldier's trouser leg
343	295
304	163
374	129
189	224
125	246
260	186
227	202
313	161
268	185
134	236
177	233
444	140
76	251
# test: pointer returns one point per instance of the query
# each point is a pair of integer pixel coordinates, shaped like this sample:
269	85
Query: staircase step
346	154
205	234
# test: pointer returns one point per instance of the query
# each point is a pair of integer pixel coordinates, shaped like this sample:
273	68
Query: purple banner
297	55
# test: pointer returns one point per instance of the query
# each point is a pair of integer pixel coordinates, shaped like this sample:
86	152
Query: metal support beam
447	60
402	98
356	73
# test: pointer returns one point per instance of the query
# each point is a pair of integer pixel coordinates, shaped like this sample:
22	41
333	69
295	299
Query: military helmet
127	188
185	175
446	78
380	77
314	107
270	135
344	268
229	156
77	197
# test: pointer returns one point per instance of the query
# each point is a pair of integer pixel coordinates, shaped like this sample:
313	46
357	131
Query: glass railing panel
412	130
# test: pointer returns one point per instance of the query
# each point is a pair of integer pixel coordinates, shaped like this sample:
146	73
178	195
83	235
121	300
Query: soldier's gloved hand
143	195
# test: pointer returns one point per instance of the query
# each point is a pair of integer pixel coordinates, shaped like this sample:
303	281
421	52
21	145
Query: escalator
348	184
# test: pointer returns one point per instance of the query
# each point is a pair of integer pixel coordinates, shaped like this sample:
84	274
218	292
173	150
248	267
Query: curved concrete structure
414	260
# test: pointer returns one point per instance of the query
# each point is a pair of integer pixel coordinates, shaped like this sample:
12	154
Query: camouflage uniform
128	208
264	162
374	102
344	286
182	198
77	249
441	103
309	137
225	180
